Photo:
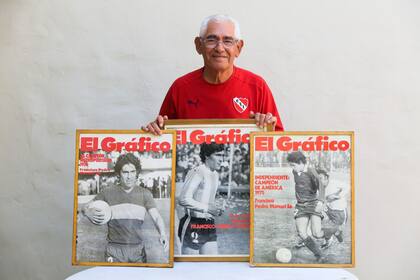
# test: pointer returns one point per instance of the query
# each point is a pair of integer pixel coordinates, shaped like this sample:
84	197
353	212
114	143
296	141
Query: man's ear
240	45
198	45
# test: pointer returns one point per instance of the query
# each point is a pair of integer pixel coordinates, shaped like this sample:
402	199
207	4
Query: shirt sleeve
149	201
100	196
316	183
168	106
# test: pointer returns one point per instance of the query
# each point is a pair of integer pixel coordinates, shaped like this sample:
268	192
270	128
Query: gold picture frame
131	214
285	194
231	227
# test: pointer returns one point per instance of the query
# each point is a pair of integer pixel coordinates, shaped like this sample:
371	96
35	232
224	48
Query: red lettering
263	143
89	144
108	144
283	143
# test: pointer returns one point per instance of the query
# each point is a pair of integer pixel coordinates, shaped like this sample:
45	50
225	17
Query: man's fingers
156	128
268	118
150	128
257	118
160	121
261	119
153	128
97	220
274	121
164	242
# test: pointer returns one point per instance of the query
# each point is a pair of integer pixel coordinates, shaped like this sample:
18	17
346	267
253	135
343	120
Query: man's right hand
215	210
95	215
156	126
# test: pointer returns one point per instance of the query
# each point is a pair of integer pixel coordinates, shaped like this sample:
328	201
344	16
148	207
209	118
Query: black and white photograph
212	190
302	199
124	198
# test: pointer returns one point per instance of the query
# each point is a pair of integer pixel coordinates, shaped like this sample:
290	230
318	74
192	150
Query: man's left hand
263	119
164	242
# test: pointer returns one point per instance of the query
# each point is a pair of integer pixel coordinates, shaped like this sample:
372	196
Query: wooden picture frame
203	236
125	217
290	173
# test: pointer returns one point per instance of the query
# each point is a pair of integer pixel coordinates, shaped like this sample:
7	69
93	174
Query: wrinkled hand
95	215
263	119
164	242
155	126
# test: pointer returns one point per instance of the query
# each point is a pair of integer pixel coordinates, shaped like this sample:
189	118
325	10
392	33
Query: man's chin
129	186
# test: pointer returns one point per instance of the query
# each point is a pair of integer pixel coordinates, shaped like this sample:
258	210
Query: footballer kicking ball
104	208
283	255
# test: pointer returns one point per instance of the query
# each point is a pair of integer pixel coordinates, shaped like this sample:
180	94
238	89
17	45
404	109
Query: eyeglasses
213	42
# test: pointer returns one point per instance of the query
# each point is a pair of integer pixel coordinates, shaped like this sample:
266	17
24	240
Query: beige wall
332	65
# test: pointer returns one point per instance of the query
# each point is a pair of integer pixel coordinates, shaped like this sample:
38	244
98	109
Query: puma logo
193	102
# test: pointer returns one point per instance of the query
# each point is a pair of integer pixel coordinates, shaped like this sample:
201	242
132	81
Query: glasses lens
212	42
228	43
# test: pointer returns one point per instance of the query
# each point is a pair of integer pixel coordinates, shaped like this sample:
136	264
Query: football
104	208
283	255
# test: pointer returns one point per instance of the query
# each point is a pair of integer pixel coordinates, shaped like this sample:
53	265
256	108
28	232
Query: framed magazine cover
212	189
123	198
302	199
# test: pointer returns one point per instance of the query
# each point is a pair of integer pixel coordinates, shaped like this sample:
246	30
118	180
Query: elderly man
219	89
129	204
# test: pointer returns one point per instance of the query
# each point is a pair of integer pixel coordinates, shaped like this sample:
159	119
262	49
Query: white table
212	271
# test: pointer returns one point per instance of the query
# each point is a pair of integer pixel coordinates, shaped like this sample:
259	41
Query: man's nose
219	46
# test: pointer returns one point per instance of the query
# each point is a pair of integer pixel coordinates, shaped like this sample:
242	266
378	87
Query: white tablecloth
212	271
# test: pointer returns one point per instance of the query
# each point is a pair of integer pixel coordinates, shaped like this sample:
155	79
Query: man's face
297	167
214	161
128	176
219	58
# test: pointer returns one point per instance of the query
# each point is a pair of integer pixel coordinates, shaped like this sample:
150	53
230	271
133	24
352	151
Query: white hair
219	18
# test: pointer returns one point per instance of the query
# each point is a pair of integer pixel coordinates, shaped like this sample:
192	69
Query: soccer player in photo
310	197
335	210
129	204
197	230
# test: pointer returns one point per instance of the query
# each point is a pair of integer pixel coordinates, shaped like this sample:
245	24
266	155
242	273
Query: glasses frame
206	44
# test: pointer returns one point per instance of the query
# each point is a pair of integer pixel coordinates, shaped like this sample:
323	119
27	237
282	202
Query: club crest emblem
240	104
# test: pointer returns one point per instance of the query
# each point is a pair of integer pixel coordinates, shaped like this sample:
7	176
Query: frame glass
302	199
212	194
123	198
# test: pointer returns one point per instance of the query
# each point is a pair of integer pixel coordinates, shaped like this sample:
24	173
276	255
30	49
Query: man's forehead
128	167
220	28
219	153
